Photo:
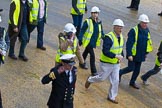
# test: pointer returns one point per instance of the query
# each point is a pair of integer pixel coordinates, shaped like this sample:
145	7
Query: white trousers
111	72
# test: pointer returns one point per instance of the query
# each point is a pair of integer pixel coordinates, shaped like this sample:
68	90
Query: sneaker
83	66
134	86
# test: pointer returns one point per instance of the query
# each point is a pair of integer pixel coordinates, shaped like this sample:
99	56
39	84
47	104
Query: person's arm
102	32
159	54
50	76
107	44
74	5
11	14
130	42
83	30
79	55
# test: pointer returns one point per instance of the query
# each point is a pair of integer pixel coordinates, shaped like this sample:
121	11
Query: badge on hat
68	58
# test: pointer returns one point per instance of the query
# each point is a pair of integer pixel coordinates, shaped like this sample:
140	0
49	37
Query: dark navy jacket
94	37
159	53
62	91
141	44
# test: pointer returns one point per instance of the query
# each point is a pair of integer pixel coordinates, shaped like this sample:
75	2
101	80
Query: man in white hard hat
79	8
90	35
111	56
68	44
138	45
63	79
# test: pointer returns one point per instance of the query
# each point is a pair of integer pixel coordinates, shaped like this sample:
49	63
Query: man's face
67	66
143	25
94	15
118	29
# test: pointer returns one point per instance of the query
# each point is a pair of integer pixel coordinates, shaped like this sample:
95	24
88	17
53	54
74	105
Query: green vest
149	42
81	4
116	48
88	34
16	12
70	50
157	61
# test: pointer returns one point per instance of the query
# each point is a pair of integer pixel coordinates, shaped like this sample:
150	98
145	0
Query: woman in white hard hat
138	45
90	35
68	44
111	56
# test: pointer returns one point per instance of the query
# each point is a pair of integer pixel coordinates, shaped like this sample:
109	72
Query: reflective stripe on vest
115	49
16	12
70	50
81	4
149	42
88	34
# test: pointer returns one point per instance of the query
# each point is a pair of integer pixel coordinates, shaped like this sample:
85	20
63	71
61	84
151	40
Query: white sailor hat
68	58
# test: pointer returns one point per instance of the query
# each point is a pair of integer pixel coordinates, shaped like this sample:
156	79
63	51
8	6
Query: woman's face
94	15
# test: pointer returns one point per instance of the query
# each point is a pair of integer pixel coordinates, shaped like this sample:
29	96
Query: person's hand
15	29
130	58
61	69
119	57
70	43
161	65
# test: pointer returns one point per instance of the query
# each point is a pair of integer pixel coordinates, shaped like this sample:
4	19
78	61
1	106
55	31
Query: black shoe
160	14
134	86
113	101
83	66
12	57
87	84
129	7
1	10
24	58
42	48
134	9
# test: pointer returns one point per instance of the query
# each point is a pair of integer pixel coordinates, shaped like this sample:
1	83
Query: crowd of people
26	15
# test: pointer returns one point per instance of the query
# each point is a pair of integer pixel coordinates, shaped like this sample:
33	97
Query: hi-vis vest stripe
157	61
116	48
70	50
88	34
81	4
16	12
149	42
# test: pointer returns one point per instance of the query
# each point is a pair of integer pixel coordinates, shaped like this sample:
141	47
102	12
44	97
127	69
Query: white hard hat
69	27
95	9
118	22
143	18
68	58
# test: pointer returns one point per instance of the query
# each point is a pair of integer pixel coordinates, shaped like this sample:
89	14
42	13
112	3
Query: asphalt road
20	81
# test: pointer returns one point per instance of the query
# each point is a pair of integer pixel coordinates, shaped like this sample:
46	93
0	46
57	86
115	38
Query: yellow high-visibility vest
16	12
70	50
149	42
116	48
88	34
81	4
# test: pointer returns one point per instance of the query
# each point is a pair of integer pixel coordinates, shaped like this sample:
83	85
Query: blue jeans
40	30
24	39
132	66
77	21
151	72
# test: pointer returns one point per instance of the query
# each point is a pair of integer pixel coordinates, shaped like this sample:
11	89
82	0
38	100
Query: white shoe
145	83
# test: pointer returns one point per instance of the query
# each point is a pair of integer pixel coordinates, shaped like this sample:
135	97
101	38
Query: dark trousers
40	30
151	72
24	39
132	66
77	21
135	4
90	50
64	105
0	101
